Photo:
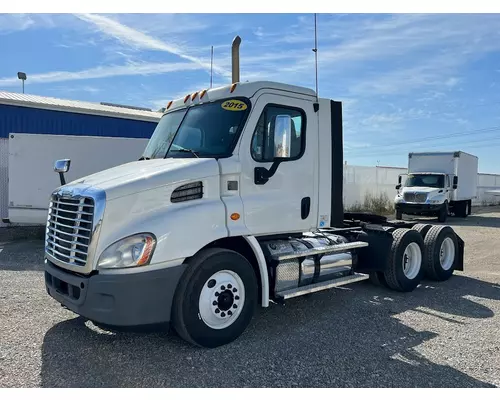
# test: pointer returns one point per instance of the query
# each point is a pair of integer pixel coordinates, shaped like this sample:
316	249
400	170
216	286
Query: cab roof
244	89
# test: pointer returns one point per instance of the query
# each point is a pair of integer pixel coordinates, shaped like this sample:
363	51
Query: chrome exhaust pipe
235	59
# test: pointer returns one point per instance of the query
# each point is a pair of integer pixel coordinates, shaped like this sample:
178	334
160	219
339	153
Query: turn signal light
235	216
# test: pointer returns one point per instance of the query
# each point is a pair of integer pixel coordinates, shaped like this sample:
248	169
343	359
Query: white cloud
103	72
139	40
15	22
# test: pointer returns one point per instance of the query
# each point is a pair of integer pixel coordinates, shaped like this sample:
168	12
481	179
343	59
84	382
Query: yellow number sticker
234	105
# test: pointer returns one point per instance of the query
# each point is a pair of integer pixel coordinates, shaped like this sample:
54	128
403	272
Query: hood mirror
62	166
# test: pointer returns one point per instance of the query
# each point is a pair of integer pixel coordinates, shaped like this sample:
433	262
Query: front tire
404	265
216	298
443	213
441	252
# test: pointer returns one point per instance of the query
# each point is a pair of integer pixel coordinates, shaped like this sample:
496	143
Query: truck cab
236	202
424	193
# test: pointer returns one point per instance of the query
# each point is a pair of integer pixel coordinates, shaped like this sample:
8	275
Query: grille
415	197
69	229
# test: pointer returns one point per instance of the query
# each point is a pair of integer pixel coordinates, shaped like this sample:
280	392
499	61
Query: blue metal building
35	114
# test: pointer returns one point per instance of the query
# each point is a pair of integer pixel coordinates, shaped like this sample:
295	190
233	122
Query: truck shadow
350	337
472	220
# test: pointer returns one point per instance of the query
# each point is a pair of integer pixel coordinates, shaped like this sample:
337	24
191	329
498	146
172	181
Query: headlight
132	251
435	201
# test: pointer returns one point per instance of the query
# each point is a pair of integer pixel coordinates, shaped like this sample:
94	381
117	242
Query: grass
378	204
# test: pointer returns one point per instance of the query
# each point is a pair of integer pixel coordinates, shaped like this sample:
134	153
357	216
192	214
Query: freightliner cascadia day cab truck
236	202
438	184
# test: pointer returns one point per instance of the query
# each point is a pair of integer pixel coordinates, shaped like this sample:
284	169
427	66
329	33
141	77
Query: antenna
211	65
316	55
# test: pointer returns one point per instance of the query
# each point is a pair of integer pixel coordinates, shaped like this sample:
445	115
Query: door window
263	146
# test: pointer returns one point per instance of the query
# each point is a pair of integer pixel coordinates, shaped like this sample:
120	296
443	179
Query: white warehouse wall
31	161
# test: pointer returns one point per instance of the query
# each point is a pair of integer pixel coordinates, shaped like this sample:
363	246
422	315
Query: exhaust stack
235	59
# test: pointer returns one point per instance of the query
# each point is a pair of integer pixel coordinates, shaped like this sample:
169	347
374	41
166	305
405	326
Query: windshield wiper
188	151
144	158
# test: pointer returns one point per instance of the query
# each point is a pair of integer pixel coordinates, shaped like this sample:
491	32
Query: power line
489	145
440	137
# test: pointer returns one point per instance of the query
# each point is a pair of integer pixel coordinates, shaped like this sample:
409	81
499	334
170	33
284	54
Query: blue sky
408	82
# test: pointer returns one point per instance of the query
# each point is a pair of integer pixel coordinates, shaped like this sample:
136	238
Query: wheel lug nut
211	283
229	312
214	303
222	287
229	286
223	314
235	290
235	306
217	311
216	293
236	297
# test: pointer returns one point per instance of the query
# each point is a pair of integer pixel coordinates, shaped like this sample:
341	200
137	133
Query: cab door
279	165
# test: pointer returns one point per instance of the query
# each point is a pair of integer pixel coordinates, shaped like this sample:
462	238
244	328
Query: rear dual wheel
441	252
404	267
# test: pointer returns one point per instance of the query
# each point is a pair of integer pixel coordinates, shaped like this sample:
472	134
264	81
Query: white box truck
236	202
439	184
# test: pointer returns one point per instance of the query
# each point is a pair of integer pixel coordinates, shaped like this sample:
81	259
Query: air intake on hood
191	191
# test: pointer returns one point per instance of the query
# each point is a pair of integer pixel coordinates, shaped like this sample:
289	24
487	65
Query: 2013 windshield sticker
234	105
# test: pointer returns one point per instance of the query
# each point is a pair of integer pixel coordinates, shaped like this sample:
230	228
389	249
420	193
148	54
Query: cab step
336	248
316	287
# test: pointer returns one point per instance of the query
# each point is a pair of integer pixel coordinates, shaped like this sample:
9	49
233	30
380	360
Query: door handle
305	207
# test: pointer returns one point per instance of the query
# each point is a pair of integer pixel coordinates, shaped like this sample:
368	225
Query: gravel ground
442	334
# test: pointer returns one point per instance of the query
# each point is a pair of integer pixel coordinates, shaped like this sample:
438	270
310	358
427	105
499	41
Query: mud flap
461	250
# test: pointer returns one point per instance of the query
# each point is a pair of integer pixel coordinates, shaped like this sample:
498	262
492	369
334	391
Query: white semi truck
235	203
438	184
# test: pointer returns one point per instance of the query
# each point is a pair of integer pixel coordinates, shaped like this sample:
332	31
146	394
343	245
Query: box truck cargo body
438	183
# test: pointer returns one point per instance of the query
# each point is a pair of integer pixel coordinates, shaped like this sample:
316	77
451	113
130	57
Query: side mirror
62	166
455	182
398	186
282	136
399	179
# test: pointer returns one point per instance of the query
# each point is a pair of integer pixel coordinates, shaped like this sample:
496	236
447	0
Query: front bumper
132	299
416	208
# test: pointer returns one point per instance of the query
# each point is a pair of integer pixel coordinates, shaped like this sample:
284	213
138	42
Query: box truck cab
236	202
439	184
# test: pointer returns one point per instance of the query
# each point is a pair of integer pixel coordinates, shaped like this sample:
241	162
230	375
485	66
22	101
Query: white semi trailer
236	202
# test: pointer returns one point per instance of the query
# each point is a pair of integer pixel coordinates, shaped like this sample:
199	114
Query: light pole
23	77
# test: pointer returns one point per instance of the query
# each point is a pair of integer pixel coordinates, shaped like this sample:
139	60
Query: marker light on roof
233	86
203	93
194	96
169	104
186	98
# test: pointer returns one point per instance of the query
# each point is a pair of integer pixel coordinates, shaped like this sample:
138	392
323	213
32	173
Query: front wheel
216	298
443	213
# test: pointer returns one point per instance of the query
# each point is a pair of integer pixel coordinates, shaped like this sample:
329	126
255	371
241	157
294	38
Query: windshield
206	130
425	180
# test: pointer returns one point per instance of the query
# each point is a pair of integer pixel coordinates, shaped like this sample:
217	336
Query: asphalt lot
442	334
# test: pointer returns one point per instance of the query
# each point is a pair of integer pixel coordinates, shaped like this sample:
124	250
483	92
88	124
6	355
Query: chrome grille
415	197
69	229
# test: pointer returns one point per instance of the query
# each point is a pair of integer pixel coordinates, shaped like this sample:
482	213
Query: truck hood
143	175
420	189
